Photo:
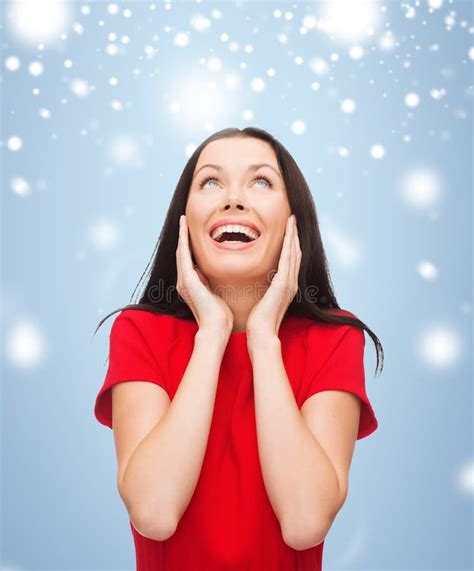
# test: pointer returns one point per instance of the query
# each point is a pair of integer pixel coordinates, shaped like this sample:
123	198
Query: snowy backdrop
102	104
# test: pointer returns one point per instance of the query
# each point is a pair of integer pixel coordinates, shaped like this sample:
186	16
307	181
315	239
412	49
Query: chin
231	265
225	269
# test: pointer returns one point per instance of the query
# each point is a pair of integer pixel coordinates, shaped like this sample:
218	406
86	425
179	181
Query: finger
186	260
298	254
284	261
292	276
178	257
182	264
291	257
298	258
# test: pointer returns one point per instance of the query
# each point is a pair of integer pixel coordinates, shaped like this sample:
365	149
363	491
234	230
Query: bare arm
304	459
305	476
162	472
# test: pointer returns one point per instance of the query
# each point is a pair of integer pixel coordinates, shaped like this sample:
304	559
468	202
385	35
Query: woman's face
238	191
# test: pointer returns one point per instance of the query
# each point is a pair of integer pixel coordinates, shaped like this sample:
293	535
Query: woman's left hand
267	314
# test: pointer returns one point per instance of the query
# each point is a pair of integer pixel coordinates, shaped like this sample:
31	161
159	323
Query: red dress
229	523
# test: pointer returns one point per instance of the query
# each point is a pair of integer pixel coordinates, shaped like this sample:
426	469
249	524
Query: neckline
242	335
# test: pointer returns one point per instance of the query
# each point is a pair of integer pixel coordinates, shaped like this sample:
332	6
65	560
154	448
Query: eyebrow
251	168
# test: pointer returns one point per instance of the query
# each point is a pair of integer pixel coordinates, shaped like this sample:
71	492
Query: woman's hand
211	311
267	314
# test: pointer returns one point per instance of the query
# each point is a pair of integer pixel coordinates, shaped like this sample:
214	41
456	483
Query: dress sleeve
344	370
130	359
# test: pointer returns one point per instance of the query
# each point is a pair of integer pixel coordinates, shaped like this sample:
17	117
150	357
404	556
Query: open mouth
235	237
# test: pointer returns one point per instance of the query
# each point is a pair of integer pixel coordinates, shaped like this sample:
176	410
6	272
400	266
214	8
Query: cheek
275	213
199	210
195	216
276	226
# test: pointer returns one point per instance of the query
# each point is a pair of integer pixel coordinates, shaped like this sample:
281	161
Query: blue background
99	182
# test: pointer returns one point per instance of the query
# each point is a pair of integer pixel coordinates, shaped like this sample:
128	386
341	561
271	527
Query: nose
234	200
236	204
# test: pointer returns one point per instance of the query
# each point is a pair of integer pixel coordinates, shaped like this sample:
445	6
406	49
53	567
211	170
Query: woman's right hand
211	312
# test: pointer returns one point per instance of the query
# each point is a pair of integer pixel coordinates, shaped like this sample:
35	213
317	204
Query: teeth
217	233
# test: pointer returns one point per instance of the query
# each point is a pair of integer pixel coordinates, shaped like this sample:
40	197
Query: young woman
235	438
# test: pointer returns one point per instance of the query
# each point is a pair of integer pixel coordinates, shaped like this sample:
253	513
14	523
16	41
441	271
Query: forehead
235	154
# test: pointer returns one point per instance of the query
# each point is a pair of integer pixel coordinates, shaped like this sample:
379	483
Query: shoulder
153	326
333	348
141	318
327	336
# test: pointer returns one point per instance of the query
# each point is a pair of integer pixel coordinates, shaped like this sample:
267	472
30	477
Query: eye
261	177
207	179
267	180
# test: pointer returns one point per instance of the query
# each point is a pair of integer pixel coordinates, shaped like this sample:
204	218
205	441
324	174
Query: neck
241	298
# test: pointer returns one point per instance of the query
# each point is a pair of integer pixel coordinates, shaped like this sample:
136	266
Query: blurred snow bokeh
421	187
440	346
20	186
349	21
105	235
124	150
34	21
25	344
345	248
427	270
465	478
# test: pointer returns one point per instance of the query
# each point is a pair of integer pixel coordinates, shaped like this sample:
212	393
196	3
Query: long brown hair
160	294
